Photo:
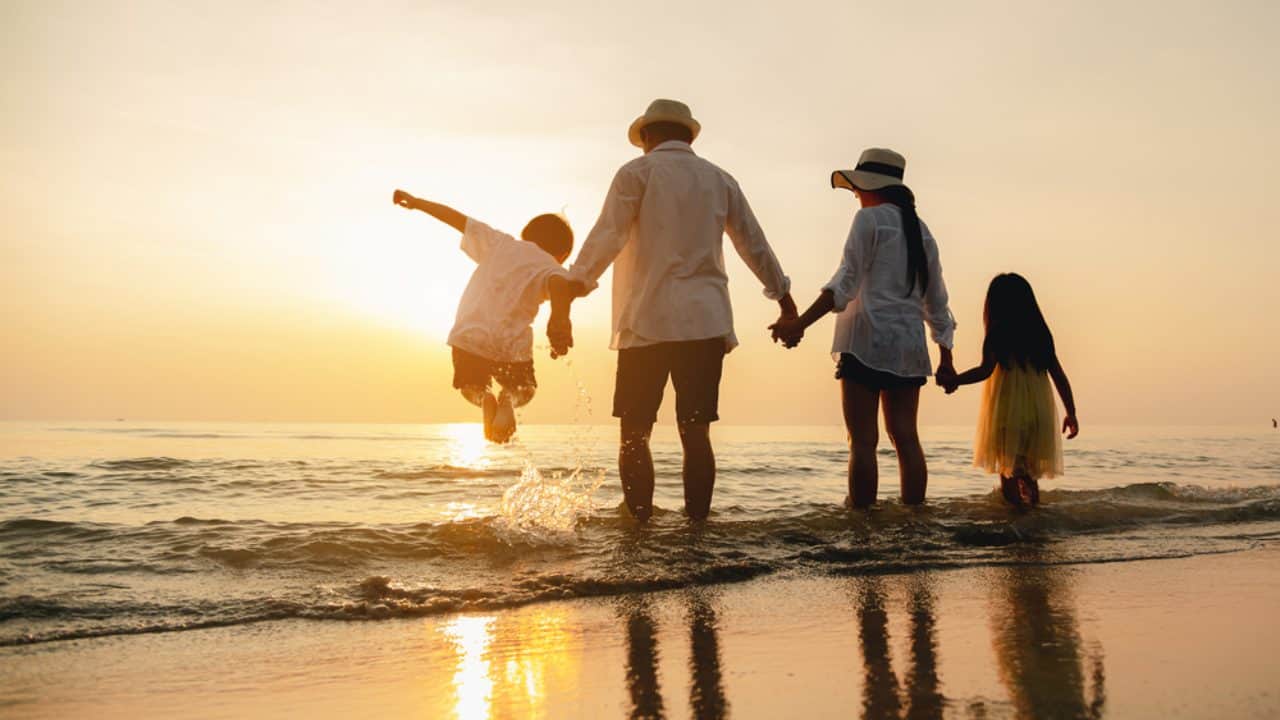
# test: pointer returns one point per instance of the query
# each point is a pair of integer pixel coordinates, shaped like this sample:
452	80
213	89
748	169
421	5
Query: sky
196	224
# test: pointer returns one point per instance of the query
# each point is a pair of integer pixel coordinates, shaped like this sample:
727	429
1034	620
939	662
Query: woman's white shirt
879	321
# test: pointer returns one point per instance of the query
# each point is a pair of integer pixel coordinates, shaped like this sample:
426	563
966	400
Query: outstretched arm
1070	425
443	213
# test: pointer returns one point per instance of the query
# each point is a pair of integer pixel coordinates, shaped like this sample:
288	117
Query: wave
353	571
977	520
143	464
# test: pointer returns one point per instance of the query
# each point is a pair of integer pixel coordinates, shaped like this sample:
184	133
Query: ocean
142	527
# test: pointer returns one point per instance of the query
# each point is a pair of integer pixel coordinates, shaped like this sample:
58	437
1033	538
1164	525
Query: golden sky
196	216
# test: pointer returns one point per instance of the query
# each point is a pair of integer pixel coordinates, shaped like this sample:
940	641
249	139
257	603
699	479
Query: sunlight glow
467	446
471	681
508	665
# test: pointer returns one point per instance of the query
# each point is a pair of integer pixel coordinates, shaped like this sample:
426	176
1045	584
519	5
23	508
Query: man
662	228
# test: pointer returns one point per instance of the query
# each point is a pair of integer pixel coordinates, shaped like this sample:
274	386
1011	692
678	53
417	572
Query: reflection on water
1034	631
507	666
517	664
881	695
642	658
472	684
924	699
706	688
880	685
1039	649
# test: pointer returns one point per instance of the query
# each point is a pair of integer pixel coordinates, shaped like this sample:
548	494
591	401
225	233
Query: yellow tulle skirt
1018	426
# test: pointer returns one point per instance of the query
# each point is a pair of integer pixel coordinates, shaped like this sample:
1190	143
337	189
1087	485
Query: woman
888	286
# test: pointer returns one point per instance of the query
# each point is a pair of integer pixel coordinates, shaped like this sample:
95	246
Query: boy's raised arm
443	213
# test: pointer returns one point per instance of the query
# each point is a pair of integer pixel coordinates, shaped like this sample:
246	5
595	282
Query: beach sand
1189	638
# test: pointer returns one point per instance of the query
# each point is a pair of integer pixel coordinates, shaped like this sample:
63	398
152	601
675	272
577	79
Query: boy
492	337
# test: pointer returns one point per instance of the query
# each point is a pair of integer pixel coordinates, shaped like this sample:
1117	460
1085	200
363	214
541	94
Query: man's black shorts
694	367
471	370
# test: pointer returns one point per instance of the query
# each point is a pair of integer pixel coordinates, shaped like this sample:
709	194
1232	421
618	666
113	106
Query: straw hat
877	168
663	111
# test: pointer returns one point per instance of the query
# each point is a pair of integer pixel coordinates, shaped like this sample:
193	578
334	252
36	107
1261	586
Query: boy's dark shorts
471	370
694	367
851	368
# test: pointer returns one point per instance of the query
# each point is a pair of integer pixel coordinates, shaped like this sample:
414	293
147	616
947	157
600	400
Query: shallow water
123	527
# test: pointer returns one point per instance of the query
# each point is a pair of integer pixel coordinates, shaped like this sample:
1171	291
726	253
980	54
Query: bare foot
489	405
1011	489
504	420
1029	491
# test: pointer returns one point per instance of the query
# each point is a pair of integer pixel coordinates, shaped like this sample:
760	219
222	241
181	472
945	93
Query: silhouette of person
662	230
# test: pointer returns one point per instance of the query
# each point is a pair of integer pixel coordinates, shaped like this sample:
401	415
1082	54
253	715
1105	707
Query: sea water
128	527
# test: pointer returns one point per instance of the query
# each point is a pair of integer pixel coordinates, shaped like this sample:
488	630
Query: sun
407	277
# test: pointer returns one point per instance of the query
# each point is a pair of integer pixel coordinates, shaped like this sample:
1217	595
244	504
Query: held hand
1071	426
788	330
560	335
946	378
403	199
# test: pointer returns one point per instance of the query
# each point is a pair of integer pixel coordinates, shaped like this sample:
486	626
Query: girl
1018	426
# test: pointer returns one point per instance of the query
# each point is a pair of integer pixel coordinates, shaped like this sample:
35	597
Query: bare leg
635	465
901	407
860	405
699	469
504	421
481	397
1009	489
520	395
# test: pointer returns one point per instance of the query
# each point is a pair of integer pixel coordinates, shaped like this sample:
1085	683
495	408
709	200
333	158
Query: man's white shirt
662	228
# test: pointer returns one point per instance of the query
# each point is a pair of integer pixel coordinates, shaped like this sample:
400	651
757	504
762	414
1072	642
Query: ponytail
917	267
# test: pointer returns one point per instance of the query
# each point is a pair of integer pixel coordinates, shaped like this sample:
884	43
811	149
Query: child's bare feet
1029	489
504	420
1020	491
489	405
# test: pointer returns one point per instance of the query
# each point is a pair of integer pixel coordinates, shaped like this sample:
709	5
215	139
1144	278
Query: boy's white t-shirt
497	309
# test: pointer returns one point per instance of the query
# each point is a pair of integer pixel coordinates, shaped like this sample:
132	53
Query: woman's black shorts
851	368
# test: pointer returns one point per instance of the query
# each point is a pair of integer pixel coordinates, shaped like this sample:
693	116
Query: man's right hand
560	335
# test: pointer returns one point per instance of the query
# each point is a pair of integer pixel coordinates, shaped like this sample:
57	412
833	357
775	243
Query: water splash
545	510
539	509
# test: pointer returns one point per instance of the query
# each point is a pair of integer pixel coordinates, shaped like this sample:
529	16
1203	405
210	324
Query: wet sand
1188	638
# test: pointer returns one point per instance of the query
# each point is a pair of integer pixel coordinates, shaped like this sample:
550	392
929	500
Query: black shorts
471	370
694	367
851	368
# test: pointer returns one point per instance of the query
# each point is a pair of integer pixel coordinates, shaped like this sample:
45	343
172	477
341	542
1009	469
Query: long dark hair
1016	331
917	267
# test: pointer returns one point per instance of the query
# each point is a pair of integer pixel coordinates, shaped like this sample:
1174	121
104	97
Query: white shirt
879	323
662	227
503	295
